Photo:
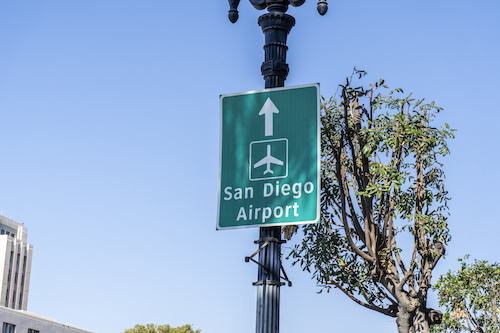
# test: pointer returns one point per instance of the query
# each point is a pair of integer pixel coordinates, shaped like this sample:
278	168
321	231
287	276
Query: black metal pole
276	26
268	284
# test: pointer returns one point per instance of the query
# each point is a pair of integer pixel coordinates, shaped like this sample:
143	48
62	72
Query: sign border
318	141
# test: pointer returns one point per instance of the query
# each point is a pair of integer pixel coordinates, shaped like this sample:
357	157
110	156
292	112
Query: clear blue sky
109	146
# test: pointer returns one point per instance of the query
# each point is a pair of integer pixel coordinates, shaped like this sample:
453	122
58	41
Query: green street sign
269	157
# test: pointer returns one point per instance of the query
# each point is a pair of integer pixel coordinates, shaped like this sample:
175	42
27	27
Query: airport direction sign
269	157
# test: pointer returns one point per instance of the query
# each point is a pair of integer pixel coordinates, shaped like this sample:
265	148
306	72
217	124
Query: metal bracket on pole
266	270
285	277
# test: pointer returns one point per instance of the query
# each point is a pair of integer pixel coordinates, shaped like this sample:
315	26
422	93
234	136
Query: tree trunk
418	321
404	320
494	315
421	321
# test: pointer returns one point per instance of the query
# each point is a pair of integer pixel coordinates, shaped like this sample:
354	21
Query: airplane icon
268	160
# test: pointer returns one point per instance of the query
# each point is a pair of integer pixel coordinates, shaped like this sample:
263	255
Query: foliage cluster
152	328
471	296
382	186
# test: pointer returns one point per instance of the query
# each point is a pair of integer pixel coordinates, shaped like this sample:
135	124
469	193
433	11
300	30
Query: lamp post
276	26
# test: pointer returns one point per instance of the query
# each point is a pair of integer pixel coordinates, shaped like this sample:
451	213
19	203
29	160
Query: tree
382	187
471	296
152	328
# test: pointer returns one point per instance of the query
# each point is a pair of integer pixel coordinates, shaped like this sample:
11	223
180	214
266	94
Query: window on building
4	230
21	292
30	330
8	280
8	328
15	281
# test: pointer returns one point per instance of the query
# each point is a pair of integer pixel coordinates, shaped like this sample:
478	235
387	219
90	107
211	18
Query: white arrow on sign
268	109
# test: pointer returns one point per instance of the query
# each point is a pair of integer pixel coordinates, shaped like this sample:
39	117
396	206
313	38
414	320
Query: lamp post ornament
276	26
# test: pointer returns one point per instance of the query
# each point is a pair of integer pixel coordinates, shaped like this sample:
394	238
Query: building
15	264
15	270
17	321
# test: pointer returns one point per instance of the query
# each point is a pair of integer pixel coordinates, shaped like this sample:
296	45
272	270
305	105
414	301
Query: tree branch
354	218
339	172
388	312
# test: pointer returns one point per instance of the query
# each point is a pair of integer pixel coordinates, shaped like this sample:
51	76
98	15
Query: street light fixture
262	4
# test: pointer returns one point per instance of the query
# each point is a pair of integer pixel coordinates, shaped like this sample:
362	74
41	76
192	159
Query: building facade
15	264
17	321
15	270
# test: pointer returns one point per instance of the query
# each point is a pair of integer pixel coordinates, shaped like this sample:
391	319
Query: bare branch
340	179
354	218
387	312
